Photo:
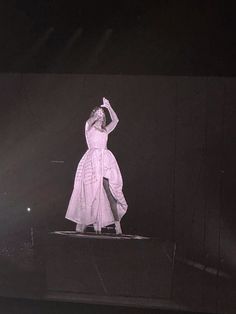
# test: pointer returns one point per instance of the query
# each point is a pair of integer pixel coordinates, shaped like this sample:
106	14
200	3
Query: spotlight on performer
28	209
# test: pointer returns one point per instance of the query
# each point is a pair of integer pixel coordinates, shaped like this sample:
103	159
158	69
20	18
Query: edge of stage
116	301
105	236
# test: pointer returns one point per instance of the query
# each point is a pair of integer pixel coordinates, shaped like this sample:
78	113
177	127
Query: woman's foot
118	227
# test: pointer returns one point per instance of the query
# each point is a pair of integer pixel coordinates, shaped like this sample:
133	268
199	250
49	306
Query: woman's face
99	114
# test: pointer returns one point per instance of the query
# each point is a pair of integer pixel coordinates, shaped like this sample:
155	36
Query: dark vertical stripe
205	212
221	195
174	181
174	163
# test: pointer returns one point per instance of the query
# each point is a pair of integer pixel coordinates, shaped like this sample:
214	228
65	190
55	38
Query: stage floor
106	236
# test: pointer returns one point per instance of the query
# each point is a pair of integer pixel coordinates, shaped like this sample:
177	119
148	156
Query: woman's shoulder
88	126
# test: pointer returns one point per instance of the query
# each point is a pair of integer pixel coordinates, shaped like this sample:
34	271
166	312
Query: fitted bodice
95	138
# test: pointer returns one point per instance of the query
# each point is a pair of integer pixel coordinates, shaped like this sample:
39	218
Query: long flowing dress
89	203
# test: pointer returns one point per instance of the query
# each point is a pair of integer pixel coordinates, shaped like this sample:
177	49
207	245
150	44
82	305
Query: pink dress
89	203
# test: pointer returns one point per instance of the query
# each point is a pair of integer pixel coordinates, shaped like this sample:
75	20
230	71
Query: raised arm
114	119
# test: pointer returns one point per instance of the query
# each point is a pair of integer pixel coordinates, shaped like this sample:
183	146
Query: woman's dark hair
93	112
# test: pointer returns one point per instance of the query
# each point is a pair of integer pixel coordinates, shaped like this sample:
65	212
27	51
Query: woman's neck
98	124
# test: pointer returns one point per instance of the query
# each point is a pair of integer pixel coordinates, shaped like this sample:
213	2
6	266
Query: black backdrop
174	145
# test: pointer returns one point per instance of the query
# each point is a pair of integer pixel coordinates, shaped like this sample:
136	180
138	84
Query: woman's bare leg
113	205
97	228
80	227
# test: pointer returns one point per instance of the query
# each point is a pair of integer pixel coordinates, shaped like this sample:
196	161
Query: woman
97	196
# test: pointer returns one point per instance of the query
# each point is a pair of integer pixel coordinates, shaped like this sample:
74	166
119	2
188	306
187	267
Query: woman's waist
97	153
97	148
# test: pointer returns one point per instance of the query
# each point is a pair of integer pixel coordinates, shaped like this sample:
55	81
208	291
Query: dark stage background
174	145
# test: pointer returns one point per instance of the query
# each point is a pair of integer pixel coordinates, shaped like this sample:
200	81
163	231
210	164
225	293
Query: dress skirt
89	203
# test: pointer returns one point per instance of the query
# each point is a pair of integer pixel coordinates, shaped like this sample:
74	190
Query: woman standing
97	197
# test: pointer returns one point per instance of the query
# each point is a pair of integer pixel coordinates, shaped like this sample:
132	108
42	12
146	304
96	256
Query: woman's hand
106	103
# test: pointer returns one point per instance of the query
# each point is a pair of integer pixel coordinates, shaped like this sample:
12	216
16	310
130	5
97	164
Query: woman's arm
114	119
90	122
